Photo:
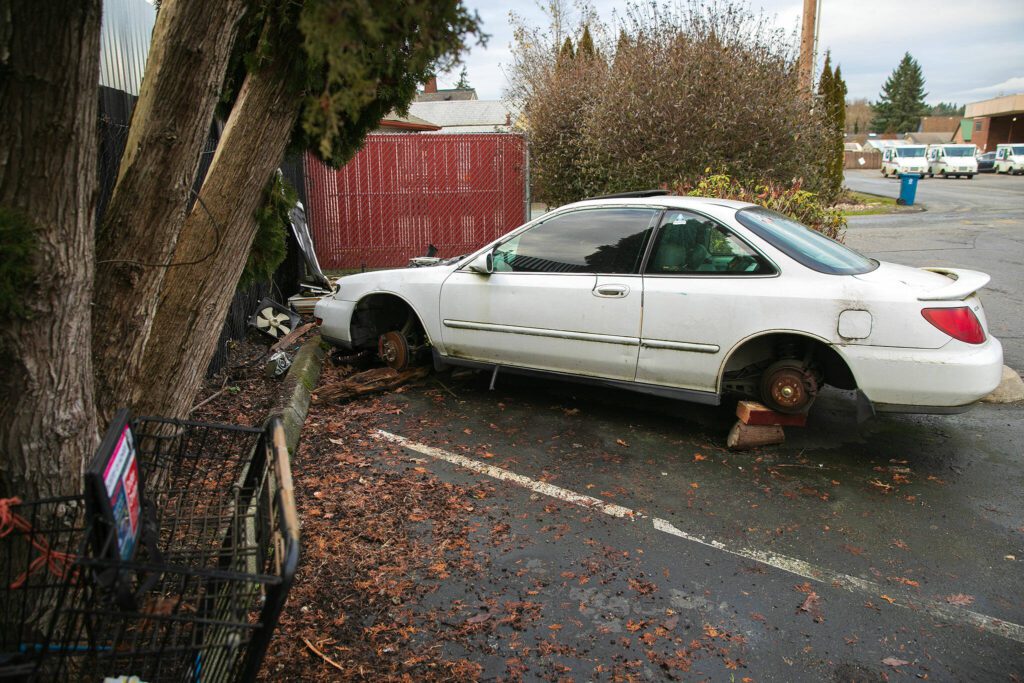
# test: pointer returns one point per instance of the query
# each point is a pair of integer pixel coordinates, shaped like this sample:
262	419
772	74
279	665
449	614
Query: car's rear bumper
922	380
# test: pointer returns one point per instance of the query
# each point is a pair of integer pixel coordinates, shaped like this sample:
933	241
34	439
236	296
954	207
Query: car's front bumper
926	380
336	315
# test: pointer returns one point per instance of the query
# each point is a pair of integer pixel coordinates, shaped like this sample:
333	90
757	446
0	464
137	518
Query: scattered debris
369	382
274	319
277	364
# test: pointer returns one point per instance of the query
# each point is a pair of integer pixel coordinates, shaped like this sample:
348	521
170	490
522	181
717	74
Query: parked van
904	159
952	161
1010	159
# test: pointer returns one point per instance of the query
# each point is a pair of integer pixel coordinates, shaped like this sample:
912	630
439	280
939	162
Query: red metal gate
404	192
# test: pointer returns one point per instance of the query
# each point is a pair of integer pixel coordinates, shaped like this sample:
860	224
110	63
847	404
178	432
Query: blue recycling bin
908	188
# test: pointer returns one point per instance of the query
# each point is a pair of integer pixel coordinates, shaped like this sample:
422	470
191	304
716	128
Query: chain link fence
407	195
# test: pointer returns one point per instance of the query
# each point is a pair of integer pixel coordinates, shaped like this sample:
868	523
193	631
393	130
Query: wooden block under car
754	413
743	436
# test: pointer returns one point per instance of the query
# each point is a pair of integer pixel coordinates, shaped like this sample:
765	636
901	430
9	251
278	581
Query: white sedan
692	298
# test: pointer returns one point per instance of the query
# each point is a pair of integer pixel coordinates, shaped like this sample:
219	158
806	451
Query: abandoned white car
685	297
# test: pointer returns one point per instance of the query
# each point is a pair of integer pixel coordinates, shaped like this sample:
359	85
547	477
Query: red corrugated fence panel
403	192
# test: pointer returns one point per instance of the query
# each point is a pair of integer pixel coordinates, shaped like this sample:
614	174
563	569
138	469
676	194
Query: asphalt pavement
644	550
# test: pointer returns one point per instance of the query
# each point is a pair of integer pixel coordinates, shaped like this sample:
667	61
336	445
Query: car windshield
909	152
804	245
960	151
1018	149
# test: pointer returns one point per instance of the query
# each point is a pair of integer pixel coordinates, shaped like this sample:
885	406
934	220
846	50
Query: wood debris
369	382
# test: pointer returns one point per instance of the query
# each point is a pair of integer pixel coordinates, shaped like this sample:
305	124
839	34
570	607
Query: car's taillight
959	323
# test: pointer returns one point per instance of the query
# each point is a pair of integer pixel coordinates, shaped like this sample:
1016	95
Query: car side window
688	244
586	241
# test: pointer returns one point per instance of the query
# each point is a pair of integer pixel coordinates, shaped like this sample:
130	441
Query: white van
904	159
1010	159
952	161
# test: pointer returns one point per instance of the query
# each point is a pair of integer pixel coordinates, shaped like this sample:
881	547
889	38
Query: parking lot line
791	565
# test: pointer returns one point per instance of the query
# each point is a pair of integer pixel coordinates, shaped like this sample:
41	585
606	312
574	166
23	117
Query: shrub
681	88
791	200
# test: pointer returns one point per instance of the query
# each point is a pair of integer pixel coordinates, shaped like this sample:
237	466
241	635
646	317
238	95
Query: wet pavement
887	550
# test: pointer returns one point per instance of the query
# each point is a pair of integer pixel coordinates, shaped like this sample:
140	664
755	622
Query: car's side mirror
483	264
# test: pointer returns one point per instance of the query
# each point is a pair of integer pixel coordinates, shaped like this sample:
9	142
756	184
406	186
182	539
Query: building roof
447	95
465	116
882	143
997	106
929	138
407	122
938	124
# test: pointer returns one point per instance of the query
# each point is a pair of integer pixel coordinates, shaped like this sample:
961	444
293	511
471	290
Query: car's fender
838	348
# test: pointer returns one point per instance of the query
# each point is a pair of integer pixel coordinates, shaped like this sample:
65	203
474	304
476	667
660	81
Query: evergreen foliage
269	247
947	109
566	55
358	61
832	99
901	103
463	83
586	48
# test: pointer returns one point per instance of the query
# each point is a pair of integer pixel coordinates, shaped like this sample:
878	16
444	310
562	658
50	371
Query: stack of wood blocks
759	425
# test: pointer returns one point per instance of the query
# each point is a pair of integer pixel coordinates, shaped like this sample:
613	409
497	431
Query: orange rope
59	564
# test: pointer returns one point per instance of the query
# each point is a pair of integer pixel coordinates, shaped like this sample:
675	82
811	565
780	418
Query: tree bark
49	74
185	69
218	233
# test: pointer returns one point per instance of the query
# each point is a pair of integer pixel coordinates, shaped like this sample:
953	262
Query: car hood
928	284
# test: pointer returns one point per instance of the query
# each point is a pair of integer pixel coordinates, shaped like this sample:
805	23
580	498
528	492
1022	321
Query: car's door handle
613	291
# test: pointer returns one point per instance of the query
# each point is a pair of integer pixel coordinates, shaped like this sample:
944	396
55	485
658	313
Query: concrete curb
298	388
1010	389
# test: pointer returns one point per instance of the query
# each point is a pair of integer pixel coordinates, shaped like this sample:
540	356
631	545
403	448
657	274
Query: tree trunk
191	45
218	233
49	74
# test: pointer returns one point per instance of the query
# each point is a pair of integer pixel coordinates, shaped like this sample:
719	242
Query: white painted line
540	487
792	565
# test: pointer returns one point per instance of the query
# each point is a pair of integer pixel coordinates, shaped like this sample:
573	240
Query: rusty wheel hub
789	387
394	350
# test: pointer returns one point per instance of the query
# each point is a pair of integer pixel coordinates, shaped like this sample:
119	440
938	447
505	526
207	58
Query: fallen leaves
634	626
905	581
812	605
642	587
959	599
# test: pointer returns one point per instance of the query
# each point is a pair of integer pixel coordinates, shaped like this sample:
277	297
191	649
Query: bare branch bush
682	89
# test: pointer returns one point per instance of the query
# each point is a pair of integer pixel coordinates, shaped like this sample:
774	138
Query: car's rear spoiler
963	284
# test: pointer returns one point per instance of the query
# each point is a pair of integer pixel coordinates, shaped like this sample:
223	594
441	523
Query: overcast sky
968	51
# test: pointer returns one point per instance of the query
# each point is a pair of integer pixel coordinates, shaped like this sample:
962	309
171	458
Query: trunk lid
929	284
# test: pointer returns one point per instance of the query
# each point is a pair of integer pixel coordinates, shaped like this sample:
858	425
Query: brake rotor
394	350
789	387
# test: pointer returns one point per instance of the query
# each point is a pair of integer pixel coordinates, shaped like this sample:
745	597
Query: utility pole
808	43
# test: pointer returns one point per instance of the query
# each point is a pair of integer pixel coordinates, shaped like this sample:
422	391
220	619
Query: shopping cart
174	565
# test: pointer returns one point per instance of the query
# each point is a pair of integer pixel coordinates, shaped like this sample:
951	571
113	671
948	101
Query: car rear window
804	245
